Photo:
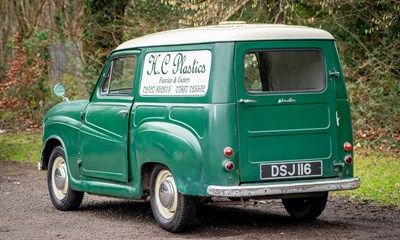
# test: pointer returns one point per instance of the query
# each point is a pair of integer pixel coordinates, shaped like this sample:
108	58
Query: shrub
24	89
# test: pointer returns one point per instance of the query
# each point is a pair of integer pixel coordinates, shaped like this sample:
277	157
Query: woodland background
43	42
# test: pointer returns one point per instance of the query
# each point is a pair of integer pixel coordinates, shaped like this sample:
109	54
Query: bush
24	89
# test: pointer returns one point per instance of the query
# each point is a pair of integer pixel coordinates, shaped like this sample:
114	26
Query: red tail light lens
347	147
348	159
228	151
229	165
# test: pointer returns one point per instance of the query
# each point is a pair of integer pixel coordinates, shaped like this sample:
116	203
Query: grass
380	180
379	173
20	147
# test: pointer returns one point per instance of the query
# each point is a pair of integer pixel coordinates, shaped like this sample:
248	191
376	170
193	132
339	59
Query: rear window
284	71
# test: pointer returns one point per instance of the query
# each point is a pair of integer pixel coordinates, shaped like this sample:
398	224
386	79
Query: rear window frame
324	65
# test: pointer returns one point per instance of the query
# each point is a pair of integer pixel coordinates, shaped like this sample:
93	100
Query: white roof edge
227	33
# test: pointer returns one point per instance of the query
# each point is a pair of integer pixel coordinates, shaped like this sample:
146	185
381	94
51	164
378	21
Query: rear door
286	110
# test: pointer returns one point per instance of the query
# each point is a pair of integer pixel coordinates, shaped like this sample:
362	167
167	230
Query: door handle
83	115
243	101
122	112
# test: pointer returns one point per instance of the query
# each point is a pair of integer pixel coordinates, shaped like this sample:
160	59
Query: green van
234	111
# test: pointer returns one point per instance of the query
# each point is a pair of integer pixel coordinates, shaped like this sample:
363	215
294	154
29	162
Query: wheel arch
176	148
147	168
47	148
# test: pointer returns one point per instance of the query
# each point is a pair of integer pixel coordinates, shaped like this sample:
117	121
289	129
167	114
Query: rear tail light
229	165
228	151
347	147
348	159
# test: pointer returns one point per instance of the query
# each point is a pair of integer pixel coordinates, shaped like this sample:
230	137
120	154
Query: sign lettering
183	73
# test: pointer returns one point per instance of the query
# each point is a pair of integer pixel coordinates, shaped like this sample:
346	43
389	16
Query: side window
284	71
119	77
252	73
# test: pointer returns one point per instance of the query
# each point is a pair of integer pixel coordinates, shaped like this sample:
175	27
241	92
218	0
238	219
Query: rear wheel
305	208
62	195
172	210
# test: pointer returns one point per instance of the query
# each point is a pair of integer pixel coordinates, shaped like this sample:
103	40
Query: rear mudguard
175	147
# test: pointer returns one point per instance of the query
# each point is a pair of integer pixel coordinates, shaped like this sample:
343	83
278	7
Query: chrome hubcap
166	194
59	177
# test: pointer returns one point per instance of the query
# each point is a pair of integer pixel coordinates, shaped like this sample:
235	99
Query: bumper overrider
254	190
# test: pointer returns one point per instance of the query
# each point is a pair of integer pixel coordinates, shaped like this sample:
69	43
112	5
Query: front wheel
172	210
62	195
305	208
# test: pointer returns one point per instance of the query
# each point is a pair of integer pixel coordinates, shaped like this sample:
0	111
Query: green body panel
188	150
62	123
344	135
107	151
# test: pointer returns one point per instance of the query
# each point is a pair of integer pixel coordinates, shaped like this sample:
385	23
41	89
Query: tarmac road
26	212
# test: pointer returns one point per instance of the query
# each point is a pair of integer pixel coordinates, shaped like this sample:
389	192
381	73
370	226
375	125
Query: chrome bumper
253	190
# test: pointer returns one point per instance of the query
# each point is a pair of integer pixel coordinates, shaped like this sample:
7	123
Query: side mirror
59	90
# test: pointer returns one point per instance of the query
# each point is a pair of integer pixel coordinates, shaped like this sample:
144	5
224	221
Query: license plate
291	170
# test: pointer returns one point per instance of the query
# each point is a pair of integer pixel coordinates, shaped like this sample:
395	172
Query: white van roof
226	33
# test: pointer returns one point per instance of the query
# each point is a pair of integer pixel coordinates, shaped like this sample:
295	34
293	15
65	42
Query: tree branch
235	10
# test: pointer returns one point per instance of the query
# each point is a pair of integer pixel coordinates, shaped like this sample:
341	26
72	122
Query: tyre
305	208
62	195
172	210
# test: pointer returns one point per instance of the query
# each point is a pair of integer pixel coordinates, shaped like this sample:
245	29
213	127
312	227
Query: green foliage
368	34
92	71
73	88
375	103
148	16
109	23
206	12
380	180
37	43
103	31
20	147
